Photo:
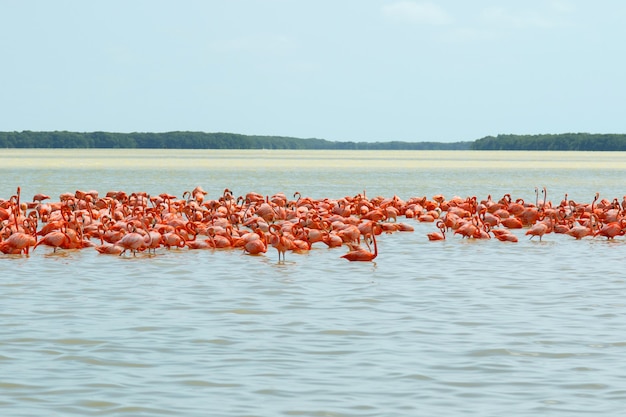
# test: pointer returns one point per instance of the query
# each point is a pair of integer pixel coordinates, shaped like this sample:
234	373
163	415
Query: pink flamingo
55	239
109	249
540	229
441	235
255	242
279	241
17	243
504	235
362	254
134	241
612	229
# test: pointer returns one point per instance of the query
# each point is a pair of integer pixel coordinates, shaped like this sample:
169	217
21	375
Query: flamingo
134	241
255	242
17	243
511	223
612	229
220	241
529	216
155	240
300	241
40	197
539	229
362	254
504	235
332	239
441	235
55	239
110	249
583	229
490	219
468	229
173	238
279	241
349	233
200	244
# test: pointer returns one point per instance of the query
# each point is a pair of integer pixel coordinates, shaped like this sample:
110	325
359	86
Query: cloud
547	18
417	12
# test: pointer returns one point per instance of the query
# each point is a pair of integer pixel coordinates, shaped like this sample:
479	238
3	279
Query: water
456	327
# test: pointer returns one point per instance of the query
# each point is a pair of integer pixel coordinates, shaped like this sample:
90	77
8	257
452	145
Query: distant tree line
560	142
195	140
202	140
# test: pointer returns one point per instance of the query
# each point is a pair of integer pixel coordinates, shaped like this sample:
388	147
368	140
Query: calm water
458	327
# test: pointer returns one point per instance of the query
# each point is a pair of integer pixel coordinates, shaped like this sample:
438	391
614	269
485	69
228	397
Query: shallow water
457	327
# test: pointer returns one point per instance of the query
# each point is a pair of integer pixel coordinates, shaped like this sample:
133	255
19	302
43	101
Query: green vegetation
195	140
201	140
561	142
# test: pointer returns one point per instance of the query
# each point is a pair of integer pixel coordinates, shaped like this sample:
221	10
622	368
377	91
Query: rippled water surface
456	327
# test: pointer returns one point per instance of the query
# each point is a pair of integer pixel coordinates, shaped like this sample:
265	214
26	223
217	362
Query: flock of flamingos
125	224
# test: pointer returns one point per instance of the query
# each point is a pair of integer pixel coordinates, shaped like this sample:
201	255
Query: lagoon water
456	327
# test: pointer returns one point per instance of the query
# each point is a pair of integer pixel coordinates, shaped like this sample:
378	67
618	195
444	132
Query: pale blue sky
359	70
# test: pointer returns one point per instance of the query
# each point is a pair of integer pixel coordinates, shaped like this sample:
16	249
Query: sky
341	70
